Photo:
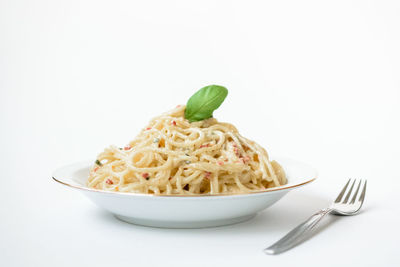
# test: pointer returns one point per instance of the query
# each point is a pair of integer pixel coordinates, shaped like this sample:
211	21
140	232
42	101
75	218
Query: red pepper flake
178	106
95	169
206	145
173	123
220	163
145	175
127	147
109	181
148	128
207	175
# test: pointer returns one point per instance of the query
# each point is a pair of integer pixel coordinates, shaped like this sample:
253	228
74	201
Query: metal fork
343	205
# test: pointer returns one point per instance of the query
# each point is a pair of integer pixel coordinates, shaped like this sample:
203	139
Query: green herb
98	162
203	103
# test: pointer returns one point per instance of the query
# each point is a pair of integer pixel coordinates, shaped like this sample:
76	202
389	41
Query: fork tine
349	193
361	199
339	197
356	193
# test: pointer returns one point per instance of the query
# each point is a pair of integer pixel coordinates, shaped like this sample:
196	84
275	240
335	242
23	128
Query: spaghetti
172	156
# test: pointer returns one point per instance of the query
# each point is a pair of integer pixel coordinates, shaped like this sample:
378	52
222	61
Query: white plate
185	211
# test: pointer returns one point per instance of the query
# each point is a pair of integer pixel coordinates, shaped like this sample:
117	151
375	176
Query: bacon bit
95	169
109	181
206	145
173	123
148	128
170	178
246	159
220	163
207	175
127	147
234	145
145	175
236	150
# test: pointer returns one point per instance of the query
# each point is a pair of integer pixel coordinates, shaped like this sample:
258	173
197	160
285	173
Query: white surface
184	211
320	78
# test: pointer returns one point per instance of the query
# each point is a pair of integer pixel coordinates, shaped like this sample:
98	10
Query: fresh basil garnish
203	103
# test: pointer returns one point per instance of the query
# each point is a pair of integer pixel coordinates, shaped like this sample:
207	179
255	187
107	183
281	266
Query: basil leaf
203	103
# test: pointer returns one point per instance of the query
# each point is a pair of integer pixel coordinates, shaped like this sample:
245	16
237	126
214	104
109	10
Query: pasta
172	156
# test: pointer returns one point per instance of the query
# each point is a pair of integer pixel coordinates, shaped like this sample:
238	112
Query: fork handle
298	234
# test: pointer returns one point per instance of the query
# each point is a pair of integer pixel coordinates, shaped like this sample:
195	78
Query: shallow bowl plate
185	211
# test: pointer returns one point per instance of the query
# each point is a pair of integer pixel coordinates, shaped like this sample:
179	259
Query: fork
343	205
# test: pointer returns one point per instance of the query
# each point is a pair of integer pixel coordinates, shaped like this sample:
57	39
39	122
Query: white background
316	80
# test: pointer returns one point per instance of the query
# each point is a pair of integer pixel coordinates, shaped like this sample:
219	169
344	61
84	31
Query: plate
185	211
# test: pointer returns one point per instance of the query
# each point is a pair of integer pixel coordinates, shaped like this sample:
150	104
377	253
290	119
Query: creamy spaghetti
173	156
